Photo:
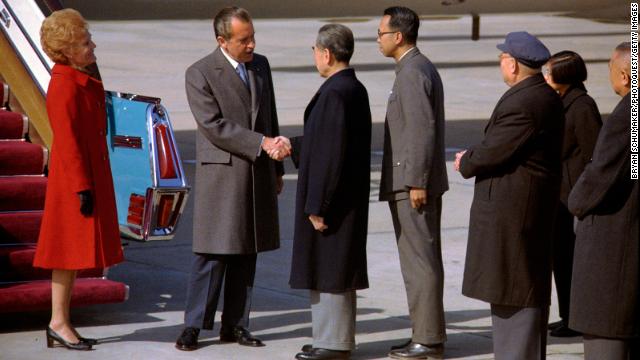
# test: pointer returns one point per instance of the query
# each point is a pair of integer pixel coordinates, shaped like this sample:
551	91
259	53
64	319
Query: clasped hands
277	148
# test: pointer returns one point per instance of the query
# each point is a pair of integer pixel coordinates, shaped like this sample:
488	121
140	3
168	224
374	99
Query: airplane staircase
23	185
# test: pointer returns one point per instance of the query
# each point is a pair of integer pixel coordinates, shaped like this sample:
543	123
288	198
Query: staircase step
13	125
36	295
21	158
20	227
19	193
16	264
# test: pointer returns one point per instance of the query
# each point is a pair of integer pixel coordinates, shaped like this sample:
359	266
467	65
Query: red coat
79	161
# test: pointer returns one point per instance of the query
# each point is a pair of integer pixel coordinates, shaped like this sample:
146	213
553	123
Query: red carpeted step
22	193
36	295
21	158
16	264
13	125
21	227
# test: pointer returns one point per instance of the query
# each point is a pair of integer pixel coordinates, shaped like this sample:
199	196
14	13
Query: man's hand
418	197
279	184
318	222
86	202
456	163
277	148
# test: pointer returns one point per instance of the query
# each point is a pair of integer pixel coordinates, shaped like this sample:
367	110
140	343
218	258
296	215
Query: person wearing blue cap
518	171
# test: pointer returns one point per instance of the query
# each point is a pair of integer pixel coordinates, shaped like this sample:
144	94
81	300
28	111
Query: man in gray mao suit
414	178
230	93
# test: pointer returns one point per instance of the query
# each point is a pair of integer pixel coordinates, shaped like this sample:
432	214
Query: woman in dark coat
79	226
332	200
565	72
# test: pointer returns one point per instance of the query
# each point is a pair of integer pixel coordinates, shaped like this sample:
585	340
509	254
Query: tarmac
150	57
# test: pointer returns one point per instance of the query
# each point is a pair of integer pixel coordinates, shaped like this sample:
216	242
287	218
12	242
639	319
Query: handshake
277	148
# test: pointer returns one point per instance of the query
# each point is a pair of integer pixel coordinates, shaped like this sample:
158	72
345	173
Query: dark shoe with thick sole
240	335
418	351
323	354
400	346
188	340
564	331
306	348
555	325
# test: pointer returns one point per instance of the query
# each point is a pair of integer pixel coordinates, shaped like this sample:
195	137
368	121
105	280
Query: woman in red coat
79	227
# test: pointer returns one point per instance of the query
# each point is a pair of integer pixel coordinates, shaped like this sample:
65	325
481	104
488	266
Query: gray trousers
418	238
333	320
519	333
598	348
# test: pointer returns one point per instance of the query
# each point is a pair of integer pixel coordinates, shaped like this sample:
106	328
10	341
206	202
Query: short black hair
405	21
567	67
338	39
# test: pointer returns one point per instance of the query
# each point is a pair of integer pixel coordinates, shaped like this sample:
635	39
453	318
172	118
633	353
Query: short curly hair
60	31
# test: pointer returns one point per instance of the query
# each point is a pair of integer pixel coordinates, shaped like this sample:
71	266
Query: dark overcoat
236	208
518	170
333	182
582	124
604	288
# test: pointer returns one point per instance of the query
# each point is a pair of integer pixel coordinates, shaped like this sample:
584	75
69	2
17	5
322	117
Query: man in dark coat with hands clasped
518	172
332	200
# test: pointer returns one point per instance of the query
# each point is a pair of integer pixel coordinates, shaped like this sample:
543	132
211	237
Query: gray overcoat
518	172
236	209
605	288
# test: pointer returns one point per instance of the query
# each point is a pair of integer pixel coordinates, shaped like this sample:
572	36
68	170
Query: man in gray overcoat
518	172
604	287
230	93
414	177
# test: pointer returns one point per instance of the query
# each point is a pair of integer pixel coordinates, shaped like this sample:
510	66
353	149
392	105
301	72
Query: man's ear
625	78
399	38
222	42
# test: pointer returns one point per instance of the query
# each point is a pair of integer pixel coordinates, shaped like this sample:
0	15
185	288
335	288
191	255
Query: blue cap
525	48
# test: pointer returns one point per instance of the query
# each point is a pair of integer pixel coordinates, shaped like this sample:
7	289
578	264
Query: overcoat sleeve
510	132
274	118
327	141
69	135
420	132
610	163
223	133
586	123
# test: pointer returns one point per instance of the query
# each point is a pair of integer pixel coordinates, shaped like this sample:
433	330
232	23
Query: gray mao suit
236	210
414	157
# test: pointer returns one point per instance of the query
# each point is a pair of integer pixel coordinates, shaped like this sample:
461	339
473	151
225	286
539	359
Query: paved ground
150	58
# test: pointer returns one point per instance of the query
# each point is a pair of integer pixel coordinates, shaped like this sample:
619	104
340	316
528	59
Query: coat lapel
256	81
228	75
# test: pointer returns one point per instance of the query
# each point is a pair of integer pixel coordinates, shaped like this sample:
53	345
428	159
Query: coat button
398	163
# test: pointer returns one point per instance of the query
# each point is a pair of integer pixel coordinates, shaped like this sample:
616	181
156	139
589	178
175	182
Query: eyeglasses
380	33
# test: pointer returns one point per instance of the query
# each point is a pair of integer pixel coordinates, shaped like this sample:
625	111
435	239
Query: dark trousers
597	348
519	333
564	239
208	272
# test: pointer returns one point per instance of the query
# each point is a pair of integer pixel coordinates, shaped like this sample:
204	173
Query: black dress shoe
323	354
564	331
400	346
306	348
240	335
188	340
418	351
555	325
53	336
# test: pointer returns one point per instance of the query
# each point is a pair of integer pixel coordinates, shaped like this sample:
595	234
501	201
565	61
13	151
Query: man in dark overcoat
518	174
414	178
604	287
230	93
332	200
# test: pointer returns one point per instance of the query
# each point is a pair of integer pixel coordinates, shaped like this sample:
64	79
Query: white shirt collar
230	59
405	53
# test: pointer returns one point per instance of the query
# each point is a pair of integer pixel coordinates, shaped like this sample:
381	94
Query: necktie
242	72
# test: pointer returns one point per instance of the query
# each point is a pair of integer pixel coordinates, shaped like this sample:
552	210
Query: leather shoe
564	331
418	351
400	346
188	340
323	354
555	325
306	348
240	335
